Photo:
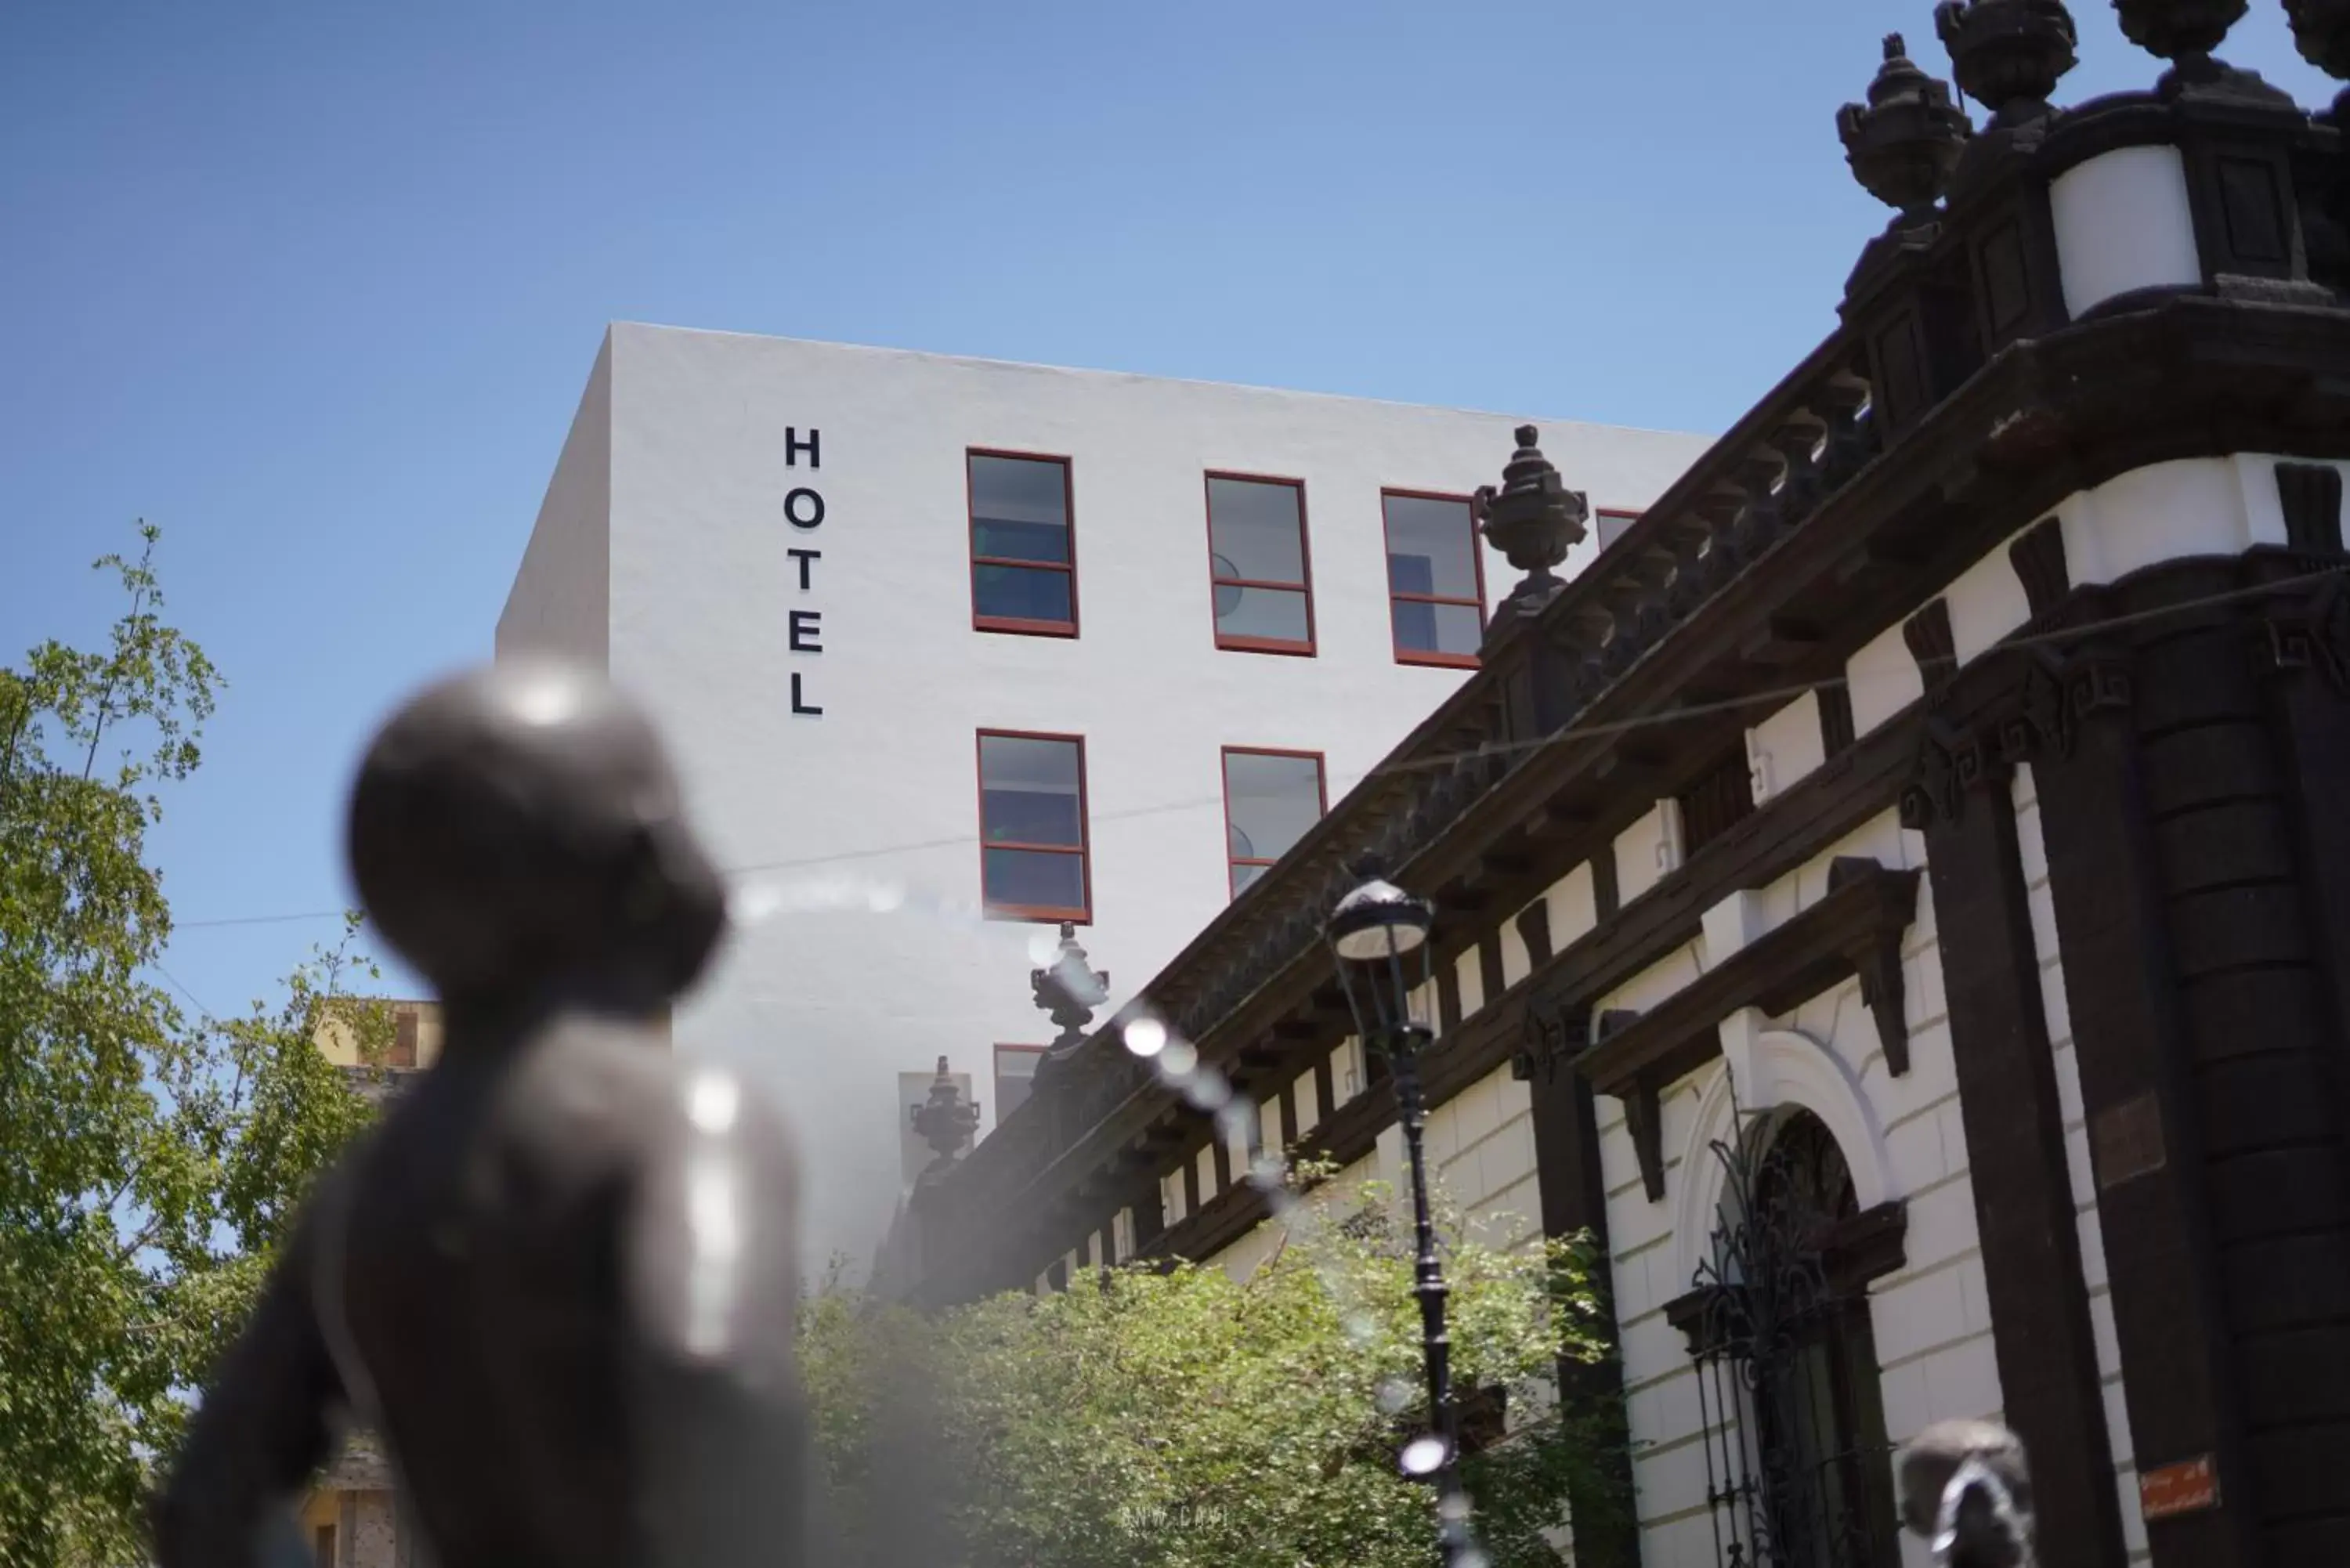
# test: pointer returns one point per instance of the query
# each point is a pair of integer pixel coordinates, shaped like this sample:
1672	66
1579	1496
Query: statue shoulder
660	1103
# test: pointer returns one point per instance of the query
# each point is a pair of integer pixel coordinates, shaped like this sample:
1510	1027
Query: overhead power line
1680	715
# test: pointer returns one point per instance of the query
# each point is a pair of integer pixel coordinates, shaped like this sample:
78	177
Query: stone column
2015	1123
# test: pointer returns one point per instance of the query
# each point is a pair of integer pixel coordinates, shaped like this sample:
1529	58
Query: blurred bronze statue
559	1278
1966	1488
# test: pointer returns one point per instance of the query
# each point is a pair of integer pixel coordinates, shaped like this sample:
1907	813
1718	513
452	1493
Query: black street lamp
1379	934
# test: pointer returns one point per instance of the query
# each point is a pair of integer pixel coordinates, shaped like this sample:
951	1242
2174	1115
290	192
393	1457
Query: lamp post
1378	935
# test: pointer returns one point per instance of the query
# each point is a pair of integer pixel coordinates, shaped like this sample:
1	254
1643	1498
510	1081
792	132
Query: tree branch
103	710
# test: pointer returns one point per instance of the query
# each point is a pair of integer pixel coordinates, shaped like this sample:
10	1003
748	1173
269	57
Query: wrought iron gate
1797	1468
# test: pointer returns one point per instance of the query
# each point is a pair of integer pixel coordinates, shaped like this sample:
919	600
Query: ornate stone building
1896	898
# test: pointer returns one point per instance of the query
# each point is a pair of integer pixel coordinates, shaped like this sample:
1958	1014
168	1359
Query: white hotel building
953	650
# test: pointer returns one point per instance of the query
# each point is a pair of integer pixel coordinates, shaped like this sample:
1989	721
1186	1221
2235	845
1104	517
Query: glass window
1256	543
1271	798
1032	826
1015	1075
1023	559
1436	582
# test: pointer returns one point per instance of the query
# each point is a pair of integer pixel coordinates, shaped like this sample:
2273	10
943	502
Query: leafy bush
1178	1417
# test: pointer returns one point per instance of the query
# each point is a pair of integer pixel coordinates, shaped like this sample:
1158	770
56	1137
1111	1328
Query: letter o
804	500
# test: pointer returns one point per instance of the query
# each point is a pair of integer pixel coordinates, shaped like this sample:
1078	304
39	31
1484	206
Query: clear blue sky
315	287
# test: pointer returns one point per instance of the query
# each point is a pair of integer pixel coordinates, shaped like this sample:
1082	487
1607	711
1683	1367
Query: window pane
1272	801
1613	525
1019	508
1022	593
1278	615
1244	877
1432	547
1015	1075
1422	628
1028	791
1035	879
1255	531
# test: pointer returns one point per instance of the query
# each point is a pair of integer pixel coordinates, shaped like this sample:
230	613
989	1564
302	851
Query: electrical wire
191	997
1677	715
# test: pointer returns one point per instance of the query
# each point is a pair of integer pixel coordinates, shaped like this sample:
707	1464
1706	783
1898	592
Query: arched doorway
1799	1472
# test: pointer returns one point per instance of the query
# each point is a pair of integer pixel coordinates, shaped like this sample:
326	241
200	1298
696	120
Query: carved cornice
1855	928
1555	1037
2311	634
2047	698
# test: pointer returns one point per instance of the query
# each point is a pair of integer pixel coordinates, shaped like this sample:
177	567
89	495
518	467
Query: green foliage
149	1162
1178	1418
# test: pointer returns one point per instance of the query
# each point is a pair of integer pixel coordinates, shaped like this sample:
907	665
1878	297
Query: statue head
1966	1487
516	834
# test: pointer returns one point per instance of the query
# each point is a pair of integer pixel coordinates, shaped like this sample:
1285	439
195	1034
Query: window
1271	798
1436	582
1015	1075
1828	1419
1023	563
1613	525
322	1546
1257	566
1032	826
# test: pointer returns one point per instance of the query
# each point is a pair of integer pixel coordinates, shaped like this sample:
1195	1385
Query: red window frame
1084	851
1477	561
1020	625
1233	863
1304	650
995	1067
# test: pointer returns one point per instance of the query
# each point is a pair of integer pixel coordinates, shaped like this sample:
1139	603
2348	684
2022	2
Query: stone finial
2008	54
1533	519
1068	991
2321	30
2185	32
1905	144
945	1121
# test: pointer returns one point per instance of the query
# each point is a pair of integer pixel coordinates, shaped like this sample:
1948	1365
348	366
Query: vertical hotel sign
803	510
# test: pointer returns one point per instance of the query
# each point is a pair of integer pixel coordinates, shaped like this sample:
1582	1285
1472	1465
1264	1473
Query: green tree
1178	1419
149	1161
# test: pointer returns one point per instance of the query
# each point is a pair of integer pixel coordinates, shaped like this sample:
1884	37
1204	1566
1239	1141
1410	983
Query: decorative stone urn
2008	54
2321	28
1534	518
2185	32
1905	144
945	1121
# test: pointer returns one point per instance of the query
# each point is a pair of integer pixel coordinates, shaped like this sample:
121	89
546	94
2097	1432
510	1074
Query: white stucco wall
1648	851
1902	1138
561	599
2195	506
1784	747
2123	222
825	1006
1480	1151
